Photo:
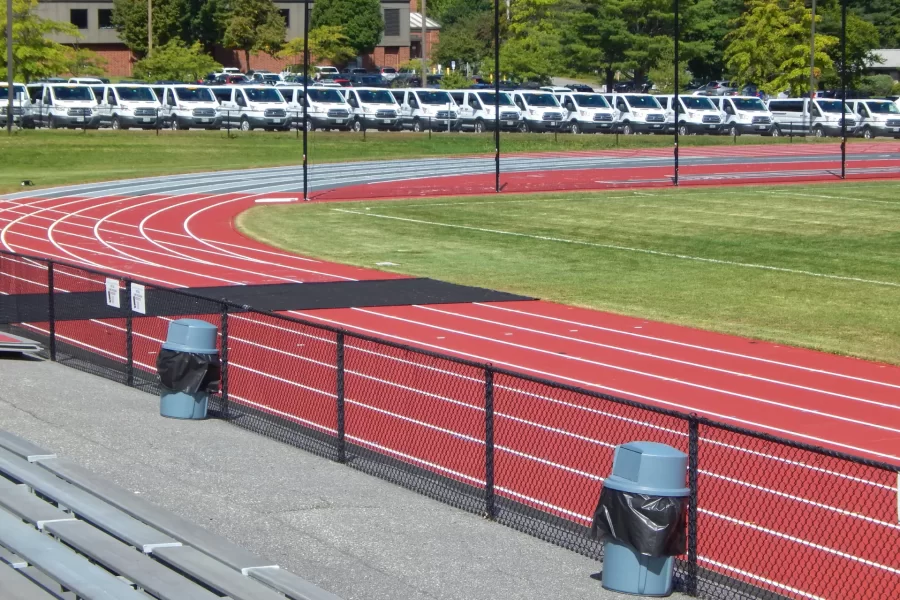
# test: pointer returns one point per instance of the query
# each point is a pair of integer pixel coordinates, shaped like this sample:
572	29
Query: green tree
531	57
466	41
361	21
455	80
862	38
326	43
254	26
770	47
662	74
450	12
188	20
877	86
84	62
35	56
176	61
885	15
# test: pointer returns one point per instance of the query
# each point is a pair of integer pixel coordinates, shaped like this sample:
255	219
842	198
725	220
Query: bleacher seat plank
70	570
44	582
25	505
22	447
180	529
291	585
216	575
15	586
7	557
128	562
82	503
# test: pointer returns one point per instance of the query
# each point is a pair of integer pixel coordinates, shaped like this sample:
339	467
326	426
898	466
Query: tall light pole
424	52
812	62
497	96
149	27
305	98
10	91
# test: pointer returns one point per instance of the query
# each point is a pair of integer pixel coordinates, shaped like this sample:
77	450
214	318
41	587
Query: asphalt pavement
350	533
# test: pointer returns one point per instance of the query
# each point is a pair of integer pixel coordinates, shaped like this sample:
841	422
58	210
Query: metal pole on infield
843	89
10	91
497	96
305	100
676	100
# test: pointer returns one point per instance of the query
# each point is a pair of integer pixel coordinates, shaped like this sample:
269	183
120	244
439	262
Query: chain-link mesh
768	518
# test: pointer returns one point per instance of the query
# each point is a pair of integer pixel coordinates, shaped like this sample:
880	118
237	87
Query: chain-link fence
768	517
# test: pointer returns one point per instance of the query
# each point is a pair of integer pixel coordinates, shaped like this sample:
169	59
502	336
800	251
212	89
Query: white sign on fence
138	298
112	293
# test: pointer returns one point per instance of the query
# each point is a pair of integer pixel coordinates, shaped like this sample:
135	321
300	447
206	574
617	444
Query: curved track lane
178	232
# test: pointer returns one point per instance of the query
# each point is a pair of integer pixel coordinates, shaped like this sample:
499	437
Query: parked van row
247	107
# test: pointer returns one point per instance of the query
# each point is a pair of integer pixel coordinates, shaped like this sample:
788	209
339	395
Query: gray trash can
188	367
642	516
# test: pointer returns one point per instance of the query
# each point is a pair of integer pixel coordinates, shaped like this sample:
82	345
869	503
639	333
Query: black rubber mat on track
33	308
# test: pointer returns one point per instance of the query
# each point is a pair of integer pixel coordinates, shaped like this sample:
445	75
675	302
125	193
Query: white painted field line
827	197
273	200
544	238
687	345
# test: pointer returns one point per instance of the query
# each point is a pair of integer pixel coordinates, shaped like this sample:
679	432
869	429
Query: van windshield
326	96
749	104
490	98
884	107
194	94
642	102
70	93
435	98
591	101
697	103
4	93
376	97
540	100
264	95
831	106
135	94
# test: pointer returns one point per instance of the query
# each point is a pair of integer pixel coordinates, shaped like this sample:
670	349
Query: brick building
401	40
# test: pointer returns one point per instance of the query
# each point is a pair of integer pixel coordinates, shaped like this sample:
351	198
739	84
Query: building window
391	22
286	15
104	18
79	17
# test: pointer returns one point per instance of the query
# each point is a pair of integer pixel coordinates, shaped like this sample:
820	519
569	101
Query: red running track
764	509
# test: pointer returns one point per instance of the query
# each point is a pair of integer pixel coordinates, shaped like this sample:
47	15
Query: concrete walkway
352	534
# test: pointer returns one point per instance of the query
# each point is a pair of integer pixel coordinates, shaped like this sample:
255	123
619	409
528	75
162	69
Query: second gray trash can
188	366
642	516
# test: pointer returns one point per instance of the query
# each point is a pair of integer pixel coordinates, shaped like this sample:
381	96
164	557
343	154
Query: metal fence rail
768	517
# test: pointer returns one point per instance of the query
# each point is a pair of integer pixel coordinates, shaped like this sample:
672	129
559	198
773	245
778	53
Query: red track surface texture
764	511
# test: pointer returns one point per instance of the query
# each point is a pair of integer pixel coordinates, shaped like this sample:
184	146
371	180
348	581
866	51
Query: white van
820	116
422	108
876	118
637	113
21	114
743	114
186	106
540	111
249	107
123	106
92	81
372	108
66	105
326	72
696	114
587	113
476	110
326	108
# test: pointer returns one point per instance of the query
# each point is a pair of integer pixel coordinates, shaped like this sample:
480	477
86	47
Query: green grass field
66	157
813	265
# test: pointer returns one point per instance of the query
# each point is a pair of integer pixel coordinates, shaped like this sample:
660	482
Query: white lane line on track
633	371
692	346
822	196
544	238
662	358
759	578
686	408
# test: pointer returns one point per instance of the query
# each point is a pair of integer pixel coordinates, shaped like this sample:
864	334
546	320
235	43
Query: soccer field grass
814	265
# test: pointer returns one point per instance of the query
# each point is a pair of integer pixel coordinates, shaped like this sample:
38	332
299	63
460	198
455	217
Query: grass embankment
815	266
67	157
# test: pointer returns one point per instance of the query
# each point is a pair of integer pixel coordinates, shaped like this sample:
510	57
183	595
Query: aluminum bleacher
66	533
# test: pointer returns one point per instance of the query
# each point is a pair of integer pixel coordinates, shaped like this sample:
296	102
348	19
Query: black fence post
223	327
129	337
693	467
341	442
488	443
51	309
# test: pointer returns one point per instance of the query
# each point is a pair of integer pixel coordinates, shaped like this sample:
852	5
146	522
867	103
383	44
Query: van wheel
682	129
51	123
116	124
733	132
174	124
524	127
479	126
245	124
576	128
627	129
776	132
357	125
867	133
309	125
417	126
818	132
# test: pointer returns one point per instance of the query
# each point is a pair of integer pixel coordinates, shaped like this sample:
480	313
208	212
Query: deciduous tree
84	62
361	21
35	56
326	43
254	26
176	61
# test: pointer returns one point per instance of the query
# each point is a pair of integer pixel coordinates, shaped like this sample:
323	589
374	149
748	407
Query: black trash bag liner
188	372
652	525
